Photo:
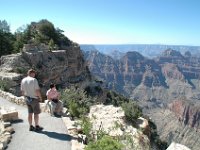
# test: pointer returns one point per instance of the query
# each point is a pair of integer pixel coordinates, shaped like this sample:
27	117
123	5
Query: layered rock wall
187	113
61	67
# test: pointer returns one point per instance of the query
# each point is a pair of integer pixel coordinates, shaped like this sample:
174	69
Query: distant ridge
147	50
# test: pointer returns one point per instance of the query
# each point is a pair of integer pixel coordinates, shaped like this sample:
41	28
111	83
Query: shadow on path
17	121
55	135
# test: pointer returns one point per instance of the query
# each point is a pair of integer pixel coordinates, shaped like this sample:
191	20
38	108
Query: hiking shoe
38	128
31	128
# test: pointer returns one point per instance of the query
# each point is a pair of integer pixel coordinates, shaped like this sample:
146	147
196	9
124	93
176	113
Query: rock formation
176	146
168	83
111	120
60	67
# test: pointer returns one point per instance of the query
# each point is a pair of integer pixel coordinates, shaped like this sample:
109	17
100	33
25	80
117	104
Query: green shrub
73	108
4	85
76	101
162	145
101	133
86	126
115	99
105	143
21	70
132	111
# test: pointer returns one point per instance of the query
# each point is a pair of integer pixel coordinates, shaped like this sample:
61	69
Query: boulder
9	114
176	146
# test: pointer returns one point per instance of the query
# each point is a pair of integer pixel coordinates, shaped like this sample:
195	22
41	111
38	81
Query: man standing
31	92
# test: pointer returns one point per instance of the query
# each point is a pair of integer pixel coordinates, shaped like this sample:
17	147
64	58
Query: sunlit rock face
60	67
176	146
111	120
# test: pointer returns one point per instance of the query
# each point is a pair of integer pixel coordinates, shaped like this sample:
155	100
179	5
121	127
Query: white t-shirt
29	85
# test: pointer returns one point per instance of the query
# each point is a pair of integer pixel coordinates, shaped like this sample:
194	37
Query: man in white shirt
31	92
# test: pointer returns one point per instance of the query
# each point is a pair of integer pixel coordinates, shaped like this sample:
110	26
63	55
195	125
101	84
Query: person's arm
22	88
49	98
48	95
58	95
38	93
37	90
22	93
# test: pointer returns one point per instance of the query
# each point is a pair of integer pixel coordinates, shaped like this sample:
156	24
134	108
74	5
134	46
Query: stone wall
12	98
7	115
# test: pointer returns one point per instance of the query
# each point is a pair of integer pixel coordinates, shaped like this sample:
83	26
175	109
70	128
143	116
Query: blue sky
174	22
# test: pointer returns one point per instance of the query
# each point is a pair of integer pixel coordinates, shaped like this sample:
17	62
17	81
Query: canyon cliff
166	87
61	67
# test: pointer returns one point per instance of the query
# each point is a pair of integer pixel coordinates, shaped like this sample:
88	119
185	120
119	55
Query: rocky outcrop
35	47
111	120
60	67
171	53
171	71
176	146
186	112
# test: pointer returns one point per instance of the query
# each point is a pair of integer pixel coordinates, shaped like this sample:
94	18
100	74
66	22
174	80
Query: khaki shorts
33	106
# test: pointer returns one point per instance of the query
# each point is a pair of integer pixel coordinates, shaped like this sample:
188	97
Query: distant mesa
187	54
134	55
170	53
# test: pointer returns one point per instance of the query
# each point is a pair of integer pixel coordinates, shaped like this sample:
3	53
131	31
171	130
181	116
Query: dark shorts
33	105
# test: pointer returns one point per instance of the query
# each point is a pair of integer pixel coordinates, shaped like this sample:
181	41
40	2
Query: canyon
166	87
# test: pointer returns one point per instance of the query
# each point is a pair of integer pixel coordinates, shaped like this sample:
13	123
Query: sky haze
173	22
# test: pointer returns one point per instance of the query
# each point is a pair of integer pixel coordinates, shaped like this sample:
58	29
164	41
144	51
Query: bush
132	111
4	85
74	109
86	126
21	70
76	101
105	143
115	99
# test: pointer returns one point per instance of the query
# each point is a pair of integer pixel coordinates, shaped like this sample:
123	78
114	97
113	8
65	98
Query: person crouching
56	105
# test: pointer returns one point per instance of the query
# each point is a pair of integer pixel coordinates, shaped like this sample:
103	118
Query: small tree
6	42
4	26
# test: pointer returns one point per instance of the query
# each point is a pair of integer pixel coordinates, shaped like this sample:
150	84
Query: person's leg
53	105
31	127
37	127
36	115
36	119
59	107
30	115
